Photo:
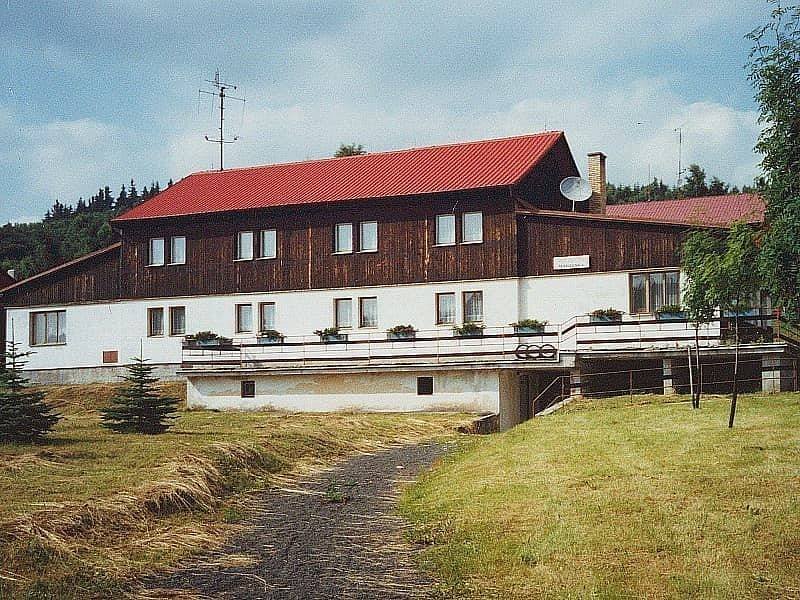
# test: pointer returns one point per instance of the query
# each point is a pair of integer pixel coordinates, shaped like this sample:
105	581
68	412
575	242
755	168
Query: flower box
269	340
528	329
400	336
671	316
333	338
605	318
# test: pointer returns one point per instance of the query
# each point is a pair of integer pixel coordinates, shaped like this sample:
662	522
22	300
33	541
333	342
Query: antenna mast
680	147
220	93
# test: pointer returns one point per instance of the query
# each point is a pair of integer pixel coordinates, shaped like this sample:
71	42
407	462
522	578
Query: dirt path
306	542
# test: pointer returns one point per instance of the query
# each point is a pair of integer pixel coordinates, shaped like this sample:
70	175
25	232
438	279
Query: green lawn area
621	498
86	510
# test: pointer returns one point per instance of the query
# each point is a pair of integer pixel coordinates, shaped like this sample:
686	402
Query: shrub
468	329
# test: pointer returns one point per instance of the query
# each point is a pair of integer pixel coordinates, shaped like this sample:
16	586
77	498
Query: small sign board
565	263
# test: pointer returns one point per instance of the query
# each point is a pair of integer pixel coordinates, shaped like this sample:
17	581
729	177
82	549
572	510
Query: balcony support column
668	365
575	383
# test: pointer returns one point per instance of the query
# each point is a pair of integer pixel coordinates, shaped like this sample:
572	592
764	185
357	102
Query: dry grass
84	513
621	499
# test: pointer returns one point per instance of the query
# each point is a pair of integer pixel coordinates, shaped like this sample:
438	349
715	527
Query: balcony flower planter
606	315
468	330
400	333
206	339
529	327
269	339
331	335
679	315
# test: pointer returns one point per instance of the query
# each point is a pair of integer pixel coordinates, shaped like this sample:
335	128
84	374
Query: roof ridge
380	153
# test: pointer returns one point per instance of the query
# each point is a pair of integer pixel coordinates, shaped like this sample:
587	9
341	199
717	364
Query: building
474	233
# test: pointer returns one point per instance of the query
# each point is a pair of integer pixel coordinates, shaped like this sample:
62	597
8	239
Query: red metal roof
471	165
707	210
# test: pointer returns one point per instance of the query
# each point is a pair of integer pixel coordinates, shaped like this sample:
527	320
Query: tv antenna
679	131
221	87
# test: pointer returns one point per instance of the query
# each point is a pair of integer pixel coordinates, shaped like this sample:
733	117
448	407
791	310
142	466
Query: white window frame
60	317
438	237
336	247
172	241
464	219
239	326
239	237
261	238
336	322
361	312
150	253
361	236
172	311
152	311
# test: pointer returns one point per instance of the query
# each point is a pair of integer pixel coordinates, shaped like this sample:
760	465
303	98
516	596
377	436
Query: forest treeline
67	231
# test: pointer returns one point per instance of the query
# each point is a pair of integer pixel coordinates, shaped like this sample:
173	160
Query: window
368	236
110	356
368	312
651	291
177	250
244	318
445	230
49	327
472	228
424	386
473	307
268	247
343	238
445	309
156	258
266	312
155	321
244	245
177	320
248	388
344	312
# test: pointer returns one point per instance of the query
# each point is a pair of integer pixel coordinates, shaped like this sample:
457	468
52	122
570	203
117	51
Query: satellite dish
576	189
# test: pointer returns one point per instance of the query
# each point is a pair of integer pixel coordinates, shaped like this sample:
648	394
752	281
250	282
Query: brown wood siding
540	188
406	251
611	246
91	280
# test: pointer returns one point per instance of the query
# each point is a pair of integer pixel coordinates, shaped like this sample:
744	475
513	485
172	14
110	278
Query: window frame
150	312
172	260
239	318
247	388
238	256
150	262
439	320
261	255
336	323
261	306
361	324
427	380
437	229
361	236
464	239
336	249
464	306
649	310
172	311
60	318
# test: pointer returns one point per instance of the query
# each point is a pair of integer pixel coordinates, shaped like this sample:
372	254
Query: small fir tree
24	416
139	407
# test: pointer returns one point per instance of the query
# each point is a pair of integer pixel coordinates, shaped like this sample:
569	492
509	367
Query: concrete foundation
778	375
81	375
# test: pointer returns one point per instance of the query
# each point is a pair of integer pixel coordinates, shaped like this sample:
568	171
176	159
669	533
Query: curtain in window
268	244
244	318
368	236
473	227
344	238
657	290
157	251
177	317
369	312
267	316
244	245
673	293
156	321
344	312
446	308
639	293
446	229
473	307
178	250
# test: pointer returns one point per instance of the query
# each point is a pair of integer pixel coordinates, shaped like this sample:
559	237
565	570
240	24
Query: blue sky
95	93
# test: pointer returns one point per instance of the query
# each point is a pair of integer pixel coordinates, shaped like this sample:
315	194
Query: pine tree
24	416
139	407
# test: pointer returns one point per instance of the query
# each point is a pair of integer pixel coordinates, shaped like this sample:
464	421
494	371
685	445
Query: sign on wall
563	263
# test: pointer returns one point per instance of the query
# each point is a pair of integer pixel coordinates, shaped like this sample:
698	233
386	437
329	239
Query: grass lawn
621	498
87	510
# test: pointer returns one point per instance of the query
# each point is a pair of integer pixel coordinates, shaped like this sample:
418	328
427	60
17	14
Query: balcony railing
579	335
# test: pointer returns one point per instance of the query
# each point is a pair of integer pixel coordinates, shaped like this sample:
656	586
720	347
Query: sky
95	93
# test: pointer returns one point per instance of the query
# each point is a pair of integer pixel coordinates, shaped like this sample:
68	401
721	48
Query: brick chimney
597	179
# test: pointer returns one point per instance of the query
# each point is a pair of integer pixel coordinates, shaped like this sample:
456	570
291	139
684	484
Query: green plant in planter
327	331
468	330
204	336
529	326
207	338
670	311
606	314
269	336
401	332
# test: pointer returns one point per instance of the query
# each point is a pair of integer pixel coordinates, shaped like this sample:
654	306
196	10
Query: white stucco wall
468	391
558	298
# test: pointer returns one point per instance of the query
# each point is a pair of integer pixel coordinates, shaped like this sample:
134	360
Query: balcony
554	347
